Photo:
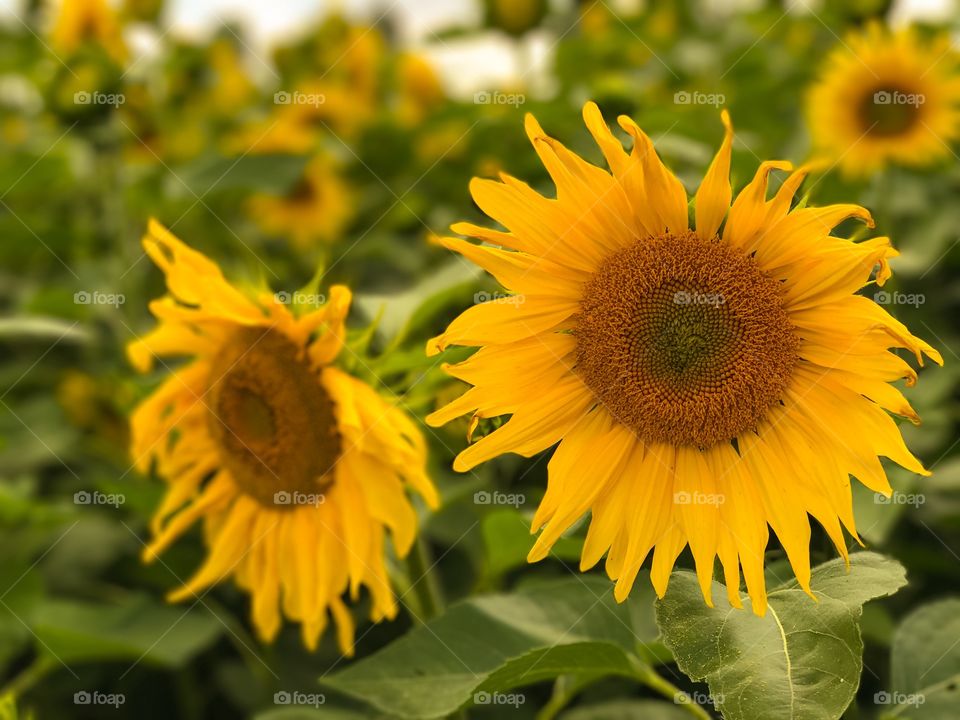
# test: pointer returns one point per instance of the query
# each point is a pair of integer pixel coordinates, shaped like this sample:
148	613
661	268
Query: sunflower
884	97
704	381
315	210
88	21
295	467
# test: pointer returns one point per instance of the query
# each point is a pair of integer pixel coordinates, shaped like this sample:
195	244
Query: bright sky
466	65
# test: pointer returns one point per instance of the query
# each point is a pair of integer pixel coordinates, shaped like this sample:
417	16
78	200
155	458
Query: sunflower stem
646	675
423	582
30	676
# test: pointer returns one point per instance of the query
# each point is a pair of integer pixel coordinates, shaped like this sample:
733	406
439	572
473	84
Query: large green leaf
925	664
800	661
137	629
494	643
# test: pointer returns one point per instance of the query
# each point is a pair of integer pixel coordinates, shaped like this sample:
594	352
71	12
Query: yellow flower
886	97
283	132
420	88
702	383
295	467
84	21
232	89
315	209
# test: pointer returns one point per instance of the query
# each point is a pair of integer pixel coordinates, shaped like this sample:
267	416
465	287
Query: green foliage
800	661
483	648
478	627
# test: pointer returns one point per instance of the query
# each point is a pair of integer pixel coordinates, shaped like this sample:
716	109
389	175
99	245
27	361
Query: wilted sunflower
294	466
315	210
886	97
702	382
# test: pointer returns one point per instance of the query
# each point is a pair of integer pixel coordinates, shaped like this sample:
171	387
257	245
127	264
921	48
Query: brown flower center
684	340
272	420
888	111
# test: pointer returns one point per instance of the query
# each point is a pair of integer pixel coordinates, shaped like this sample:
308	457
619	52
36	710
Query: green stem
423	582
565	689
30	676
648	677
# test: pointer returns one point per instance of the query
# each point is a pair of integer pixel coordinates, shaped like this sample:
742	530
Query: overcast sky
467	65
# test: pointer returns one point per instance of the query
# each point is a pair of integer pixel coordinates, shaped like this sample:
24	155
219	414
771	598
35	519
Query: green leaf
268	173
801	661
137	629
506	535
925	664
628	710
494	643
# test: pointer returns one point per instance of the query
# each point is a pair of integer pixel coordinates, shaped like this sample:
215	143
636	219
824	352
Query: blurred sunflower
420	88
315	210
80	22
702	383
281	132
886	97
294	466
232	89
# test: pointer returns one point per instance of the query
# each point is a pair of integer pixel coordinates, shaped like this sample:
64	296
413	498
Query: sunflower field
341	382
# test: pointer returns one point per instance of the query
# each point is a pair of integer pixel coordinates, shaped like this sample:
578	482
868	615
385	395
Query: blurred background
301	144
